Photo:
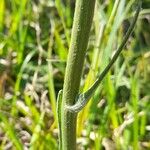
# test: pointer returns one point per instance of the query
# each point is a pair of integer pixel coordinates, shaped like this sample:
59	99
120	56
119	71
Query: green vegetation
34	41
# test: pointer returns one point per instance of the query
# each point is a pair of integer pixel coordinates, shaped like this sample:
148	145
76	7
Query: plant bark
83	17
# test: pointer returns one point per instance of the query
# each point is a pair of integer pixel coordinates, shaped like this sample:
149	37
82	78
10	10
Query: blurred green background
34	41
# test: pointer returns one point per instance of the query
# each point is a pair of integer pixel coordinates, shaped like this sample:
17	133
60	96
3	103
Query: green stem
83	98
79	40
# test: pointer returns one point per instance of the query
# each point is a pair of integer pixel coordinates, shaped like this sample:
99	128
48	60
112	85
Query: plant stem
79	40
83	98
